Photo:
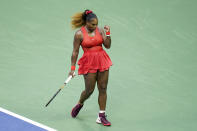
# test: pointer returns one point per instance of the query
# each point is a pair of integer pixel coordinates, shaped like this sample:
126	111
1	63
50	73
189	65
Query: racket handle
68	79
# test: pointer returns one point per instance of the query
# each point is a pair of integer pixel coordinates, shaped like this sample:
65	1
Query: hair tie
88	12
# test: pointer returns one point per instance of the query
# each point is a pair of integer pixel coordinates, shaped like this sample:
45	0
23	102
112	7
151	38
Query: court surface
153	80
11	121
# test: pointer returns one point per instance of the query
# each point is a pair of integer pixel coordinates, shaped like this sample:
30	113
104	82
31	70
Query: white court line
27	120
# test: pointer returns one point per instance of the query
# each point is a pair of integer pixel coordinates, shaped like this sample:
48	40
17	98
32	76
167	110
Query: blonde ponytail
77	20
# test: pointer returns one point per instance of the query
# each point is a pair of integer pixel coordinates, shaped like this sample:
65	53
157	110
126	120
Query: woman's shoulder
79	34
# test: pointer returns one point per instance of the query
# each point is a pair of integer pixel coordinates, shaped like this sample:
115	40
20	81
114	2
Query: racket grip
68	79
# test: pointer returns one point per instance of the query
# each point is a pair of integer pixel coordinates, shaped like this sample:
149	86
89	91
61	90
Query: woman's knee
89	92
102	88
90	81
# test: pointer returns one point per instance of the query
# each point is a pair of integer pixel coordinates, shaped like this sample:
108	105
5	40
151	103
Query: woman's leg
102	81
90	81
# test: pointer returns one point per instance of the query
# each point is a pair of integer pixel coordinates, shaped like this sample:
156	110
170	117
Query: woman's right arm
76	44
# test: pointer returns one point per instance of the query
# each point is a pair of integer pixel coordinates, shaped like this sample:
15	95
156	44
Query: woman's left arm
106	38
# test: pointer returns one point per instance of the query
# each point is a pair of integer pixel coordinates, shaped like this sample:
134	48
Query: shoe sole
99	122
104	124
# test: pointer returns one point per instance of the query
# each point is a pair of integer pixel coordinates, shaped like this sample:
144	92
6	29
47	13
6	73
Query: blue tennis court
10	121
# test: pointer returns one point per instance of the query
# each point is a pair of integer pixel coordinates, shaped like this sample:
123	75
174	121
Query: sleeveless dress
94	58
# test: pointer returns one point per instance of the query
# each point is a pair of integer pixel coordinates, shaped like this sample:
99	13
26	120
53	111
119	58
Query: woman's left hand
107	28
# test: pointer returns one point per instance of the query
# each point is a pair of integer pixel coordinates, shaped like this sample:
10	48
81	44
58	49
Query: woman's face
92	24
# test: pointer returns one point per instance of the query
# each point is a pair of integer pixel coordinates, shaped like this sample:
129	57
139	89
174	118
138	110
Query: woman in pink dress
95	63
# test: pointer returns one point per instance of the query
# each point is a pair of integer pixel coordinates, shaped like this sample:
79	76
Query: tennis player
95	63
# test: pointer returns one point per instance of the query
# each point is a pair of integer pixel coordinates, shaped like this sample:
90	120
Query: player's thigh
102	79
90	81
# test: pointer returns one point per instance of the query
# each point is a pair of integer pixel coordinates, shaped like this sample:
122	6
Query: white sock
102	111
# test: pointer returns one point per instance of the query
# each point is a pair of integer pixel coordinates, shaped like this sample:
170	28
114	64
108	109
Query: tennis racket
66	81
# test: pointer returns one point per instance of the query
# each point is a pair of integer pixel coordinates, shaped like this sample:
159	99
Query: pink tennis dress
94	58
